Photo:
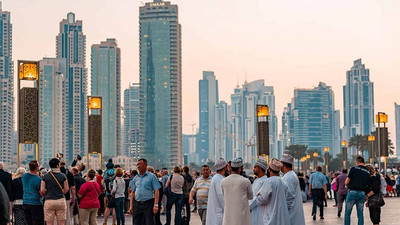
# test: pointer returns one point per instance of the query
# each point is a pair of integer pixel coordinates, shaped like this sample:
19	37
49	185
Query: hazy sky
290	44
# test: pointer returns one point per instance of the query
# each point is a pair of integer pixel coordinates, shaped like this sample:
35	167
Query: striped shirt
201	188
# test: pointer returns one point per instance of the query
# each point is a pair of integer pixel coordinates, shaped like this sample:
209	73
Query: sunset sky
290	44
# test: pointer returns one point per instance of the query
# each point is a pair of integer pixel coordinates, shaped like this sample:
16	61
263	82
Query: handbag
167	190
376	201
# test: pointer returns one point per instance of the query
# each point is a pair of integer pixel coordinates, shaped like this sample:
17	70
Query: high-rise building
131	121
243	120
71	45
358	101
208	98
314	119
6	88
106	82
52	108
160	83
397	118
221	132
287	129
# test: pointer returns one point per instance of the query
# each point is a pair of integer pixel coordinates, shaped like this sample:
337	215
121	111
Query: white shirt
273	196
255	212
215	206
294	199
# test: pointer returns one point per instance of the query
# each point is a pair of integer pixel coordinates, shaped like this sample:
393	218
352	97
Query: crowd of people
225	197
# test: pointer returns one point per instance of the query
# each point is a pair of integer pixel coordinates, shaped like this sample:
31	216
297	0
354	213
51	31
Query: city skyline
374	43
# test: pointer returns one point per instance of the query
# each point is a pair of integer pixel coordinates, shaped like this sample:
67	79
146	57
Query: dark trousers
174	199
318	196
101	200
34	214
143	212
119	210
375	215
187	207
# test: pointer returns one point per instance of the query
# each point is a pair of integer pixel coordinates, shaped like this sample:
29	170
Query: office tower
358	101
221	131
243	122
314	118
397	118
189	149
287	129
71	45
131	120
52	108
6	88
160	84
106	82
208	98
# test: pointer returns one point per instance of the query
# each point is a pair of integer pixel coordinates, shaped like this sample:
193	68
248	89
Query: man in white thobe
215	206
259	170
273	197
237	193
293	197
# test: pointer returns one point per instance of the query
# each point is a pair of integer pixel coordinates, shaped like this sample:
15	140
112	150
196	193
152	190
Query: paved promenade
390	215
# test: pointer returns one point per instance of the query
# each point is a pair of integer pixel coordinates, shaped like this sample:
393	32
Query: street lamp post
382	132
326	150
308	157
344	153
315	154
262	131
371	139
94	112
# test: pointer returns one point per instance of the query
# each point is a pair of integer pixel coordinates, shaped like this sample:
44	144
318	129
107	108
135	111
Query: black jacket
5	179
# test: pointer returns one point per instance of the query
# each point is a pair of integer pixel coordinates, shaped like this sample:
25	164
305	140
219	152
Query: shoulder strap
95	189
62	189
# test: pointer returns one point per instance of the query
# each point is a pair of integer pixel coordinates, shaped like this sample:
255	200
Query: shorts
110	201
55	208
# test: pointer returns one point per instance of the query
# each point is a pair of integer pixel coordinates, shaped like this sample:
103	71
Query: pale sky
290	44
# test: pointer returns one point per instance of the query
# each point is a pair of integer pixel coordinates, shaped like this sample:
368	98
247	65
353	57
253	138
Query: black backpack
108	182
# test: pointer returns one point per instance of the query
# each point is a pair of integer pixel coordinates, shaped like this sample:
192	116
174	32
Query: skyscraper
221	139
243	121
397	118
106	82
6	88
131	121
160	83
358	102
313	115
208	98
52	108
71	45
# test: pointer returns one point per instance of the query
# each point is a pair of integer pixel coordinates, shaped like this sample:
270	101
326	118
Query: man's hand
155	209
191	200
130	210
309	193
326	195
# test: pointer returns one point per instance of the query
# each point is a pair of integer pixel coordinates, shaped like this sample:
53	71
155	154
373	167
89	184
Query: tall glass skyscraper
358	102
313	117
397	119
6	88
208	98
106	82
131	121
71	45
160	84
52	108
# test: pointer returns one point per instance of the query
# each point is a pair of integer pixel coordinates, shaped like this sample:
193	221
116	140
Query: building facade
208	98
131	121
358	102
397	119
160	84
222	132
314	119
106	82
6	88
71	45
53	127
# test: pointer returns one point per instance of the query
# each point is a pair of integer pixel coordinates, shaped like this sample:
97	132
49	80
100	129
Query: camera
79	157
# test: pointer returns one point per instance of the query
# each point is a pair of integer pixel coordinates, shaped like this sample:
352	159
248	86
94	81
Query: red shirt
89	195
99	178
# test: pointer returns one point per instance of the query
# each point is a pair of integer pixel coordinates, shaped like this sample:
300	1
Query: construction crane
193	125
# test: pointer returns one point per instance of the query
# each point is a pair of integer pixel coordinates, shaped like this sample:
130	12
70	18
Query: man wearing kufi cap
215	206
259	169
293	197
272	198
237	191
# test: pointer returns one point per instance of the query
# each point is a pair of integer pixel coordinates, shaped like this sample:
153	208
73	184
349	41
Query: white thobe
256	187
273	196
294	199
215	205
237	193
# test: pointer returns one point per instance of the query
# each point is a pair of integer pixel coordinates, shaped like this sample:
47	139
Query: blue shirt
164	180
317	180
31	184
144	186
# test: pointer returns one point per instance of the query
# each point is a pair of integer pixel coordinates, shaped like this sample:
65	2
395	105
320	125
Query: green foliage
297	151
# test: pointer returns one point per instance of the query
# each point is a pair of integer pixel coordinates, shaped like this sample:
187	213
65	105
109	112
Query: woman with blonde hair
119	192
373	194
18	191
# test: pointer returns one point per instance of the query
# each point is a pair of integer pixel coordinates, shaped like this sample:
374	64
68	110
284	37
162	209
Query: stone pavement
390	215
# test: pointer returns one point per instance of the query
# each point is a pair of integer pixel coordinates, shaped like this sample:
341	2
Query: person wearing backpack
175	195
108	183
186	190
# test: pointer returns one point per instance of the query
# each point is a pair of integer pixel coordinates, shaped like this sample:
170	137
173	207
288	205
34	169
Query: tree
297	151
360	142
